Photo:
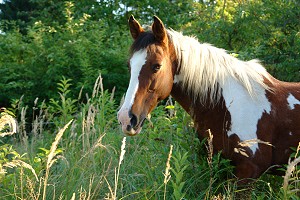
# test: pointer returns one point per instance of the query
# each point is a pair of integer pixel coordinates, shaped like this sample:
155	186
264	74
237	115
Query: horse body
253	117
275	132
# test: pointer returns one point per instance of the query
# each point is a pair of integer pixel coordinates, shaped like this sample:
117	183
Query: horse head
151	74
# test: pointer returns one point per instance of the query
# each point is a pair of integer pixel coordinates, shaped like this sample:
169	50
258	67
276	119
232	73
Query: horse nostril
133	120
128	128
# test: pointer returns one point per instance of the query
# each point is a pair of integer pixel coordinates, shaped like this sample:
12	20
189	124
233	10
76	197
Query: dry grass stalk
98	86
30	185
122	151
118	171
88	126
210	150
109	196
219	197
298	150
73	130
20	163
52	154
73	196
112	195
290	169
39	120
7	122
97	187
167	173
97	144
90	188
249	143
90	119
241	151
80	93
83	130
22	130
112	94
82	193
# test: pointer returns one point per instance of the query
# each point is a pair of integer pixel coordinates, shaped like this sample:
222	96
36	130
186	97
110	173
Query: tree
19	11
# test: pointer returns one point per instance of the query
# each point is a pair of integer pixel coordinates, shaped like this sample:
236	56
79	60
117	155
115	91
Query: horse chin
133	132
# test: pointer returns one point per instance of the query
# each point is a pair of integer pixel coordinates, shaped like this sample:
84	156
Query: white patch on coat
292	101
290	133
245	111
136	63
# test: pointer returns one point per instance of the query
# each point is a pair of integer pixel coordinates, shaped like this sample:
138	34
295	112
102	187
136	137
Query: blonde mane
204	69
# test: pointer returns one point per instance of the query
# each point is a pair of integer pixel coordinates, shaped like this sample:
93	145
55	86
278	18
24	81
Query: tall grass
291	181
55	158
51	156
167	174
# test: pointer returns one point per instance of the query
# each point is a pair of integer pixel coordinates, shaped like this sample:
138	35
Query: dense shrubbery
80	40
80	49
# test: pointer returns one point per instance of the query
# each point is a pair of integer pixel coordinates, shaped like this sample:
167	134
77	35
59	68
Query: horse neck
190	104
204	114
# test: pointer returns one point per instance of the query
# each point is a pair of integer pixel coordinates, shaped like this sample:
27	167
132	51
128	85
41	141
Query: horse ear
159	30
135	27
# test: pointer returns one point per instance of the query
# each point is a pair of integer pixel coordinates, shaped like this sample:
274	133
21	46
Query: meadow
69	144
71	149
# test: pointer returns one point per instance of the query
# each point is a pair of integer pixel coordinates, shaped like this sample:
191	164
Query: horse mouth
132	131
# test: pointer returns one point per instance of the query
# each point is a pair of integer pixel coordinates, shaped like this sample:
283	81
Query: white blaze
292	101
136	63
245	111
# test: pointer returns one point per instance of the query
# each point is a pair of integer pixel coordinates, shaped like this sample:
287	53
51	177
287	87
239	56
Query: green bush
32	64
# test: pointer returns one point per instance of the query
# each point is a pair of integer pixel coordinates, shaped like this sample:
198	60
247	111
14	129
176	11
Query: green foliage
180	163
31	64
65	106
6	155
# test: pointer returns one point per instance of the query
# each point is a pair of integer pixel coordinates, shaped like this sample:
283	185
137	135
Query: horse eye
156	67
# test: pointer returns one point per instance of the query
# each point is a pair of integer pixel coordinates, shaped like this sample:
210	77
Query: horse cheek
166	88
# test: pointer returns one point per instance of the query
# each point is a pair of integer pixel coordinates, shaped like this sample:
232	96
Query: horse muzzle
131	124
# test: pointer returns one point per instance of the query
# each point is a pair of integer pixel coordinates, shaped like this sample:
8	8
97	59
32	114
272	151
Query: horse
253	117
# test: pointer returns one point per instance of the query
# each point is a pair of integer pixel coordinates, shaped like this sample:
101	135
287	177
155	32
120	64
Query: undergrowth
75	150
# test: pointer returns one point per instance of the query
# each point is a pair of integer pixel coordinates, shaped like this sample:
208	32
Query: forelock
144	40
